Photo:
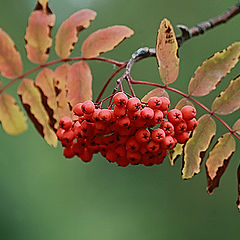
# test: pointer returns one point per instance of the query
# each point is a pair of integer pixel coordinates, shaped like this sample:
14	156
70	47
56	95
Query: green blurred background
44	196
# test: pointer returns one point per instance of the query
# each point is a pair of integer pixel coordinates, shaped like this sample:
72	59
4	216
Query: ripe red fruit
120	99
188	112
134	157
119	111
152	146
167	127
147	113
180	127
143	135
68	136
154	102
182	138
124	121
65	123
158	116
132	144
133	104
105	115
168	142
174	116
88	107
78	109
59	133
158	135
191	124
165	104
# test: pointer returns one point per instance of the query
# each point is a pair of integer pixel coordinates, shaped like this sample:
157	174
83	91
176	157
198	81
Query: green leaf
174	153
229	99
236	126
238	177
79	83
157	92
32	102
166	52
11	117
183	102
10	59
197	146
67	34
104	40
45	83
60	84
210	73
38	33
218	160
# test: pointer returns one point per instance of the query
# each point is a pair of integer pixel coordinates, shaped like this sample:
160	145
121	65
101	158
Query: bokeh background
44	196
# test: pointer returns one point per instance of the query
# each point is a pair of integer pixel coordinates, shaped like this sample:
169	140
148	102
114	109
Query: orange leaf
38	33
60	82
210	73
229	99
183	102
67	34
32	102
156	92
79	83
45	83
12	118
166	52
238	177
197	146
218	160
104	40
236	126
10	59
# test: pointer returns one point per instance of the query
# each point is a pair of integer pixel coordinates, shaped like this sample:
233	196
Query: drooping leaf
32	102
10	59
104	40
67	34
238	177
218	160
45	83
60	84
11	117
236	126
174	153
156	92
166	52
38	33
197	146
210	73
79	83
229	99
183	102
177	151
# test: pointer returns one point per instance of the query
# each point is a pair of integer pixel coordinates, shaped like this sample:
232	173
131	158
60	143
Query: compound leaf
229	99
67	34
45	83
236	126
210	73
32	102
218	160
60	83
38	33
79	83
104	40
166	52
12	118
10	59
183	102
238	177
156	92
197	146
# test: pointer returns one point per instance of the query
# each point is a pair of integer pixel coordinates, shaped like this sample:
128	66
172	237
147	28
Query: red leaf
32	102
79	83
67	34
10	59
38	33
60	82
104	40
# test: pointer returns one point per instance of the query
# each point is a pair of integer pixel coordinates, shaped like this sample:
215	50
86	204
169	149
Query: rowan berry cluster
131	132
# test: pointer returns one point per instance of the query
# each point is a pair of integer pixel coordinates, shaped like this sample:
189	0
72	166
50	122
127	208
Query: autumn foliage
54	95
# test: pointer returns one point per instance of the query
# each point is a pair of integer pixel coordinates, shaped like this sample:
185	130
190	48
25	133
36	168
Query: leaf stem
117	63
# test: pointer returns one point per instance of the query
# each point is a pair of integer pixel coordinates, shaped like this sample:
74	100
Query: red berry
68	152
68	136
88	107
133	104
124	121
120	99
180	127
119	111
120	151
123	162
167	127
143	135
78	109
152	146
60	133
168	142
105	115
158	135
111	155
188	112
182	138
95	115
158	116
147	113
191	124
174	116
165	104
154	102
134	157
132	144
65	123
